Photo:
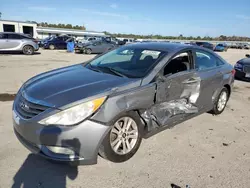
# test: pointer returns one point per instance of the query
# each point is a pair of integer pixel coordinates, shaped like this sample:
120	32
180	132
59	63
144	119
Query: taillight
34	40
233	72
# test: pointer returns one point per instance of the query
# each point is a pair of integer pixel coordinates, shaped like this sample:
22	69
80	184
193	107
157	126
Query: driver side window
98	43
179	63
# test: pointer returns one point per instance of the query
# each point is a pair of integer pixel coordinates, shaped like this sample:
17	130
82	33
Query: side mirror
247	55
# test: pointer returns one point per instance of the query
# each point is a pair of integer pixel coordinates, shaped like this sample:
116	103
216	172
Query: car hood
64	86
245	61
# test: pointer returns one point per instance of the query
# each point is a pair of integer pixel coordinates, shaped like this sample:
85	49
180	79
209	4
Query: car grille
246	69
27	109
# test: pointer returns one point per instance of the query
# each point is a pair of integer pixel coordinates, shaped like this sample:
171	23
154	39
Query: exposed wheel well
28	45
228	88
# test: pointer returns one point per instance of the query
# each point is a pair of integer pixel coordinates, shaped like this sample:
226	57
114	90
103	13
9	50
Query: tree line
134	36
65	26
180	37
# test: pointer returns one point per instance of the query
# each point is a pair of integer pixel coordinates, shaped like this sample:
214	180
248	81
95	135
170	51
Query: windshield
130	62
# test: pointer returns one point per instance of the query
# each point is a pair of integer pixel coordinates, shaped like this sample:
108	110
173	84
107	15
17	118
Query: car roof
160	46
14	33
245	60
169	47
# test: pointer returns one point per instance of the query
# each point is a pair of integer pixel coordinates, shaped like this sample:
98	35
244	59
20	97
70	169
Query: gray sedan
17	42
107	105
98	47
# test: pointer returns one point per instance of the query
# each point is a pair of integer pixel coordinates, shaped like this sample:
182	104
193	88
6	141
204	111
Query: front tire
28	50
124	138
221	102
52	47
88	51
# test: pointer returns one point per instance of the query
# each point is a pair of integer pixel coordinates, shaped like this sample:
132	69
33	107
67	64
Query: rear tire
120	144
221	102
28	50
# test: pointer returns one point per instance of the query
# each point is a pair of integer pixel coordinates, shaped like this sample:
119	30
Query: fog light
61	150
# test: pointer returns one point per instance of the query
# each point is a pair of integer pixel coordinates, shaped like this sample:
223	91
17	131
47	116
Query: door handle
192	80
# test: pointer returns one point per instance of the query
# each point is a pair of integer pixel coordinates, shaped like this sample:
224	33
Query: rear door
211	77
177	90
13	41
105	47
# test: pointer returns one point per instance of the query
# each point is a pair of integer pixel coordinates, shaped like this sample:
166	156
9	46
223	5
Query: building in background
18	27
35	31
43	32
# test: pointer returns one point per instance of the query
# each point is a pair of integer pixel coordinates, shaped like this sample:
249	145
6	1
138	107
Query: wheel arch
27	44
228	87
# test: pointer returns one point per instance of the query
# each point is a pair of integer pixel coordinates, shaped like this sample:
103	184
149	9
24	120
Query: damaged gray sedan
107	105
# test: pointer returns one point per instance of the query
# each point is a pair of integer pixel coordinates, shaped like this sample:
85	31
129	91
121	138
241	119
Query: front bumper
45	46
84	139
78	50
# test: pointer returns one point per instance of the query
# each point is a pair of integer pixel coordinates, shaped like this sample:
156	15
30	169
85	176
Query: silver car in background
17	42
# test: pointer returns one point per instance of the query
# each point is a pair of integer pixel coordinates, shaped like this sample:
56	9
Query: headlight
74	114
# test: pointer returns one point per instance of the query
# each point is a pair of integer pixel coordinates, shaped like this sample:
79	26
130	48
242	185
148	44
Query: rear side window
14	36
3	36
25	37
204	60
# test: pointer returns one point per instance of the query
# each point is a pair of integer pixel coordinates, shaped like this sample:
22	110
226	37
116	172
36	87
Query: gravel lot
207	151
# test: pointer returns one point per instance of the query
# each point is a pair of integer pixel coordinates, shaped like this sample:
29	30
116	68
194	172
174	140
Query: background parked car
129	41
114	40
56	43
41	42
88	39
242	68
246	46
96	47
221	47
10	41
205	45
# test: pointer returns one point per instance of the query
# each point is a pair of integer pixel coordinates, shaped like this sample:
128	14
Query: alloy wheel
28	50
88	51
222	101
124	135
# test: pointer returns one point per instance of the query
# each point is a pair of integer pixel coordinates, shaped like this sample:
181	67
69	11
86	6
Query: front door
178	90
60	43
97	47
3	41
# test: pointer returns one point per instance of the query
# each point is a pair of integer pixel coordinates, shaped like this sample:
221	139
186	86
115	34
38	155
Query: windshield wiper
113	71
